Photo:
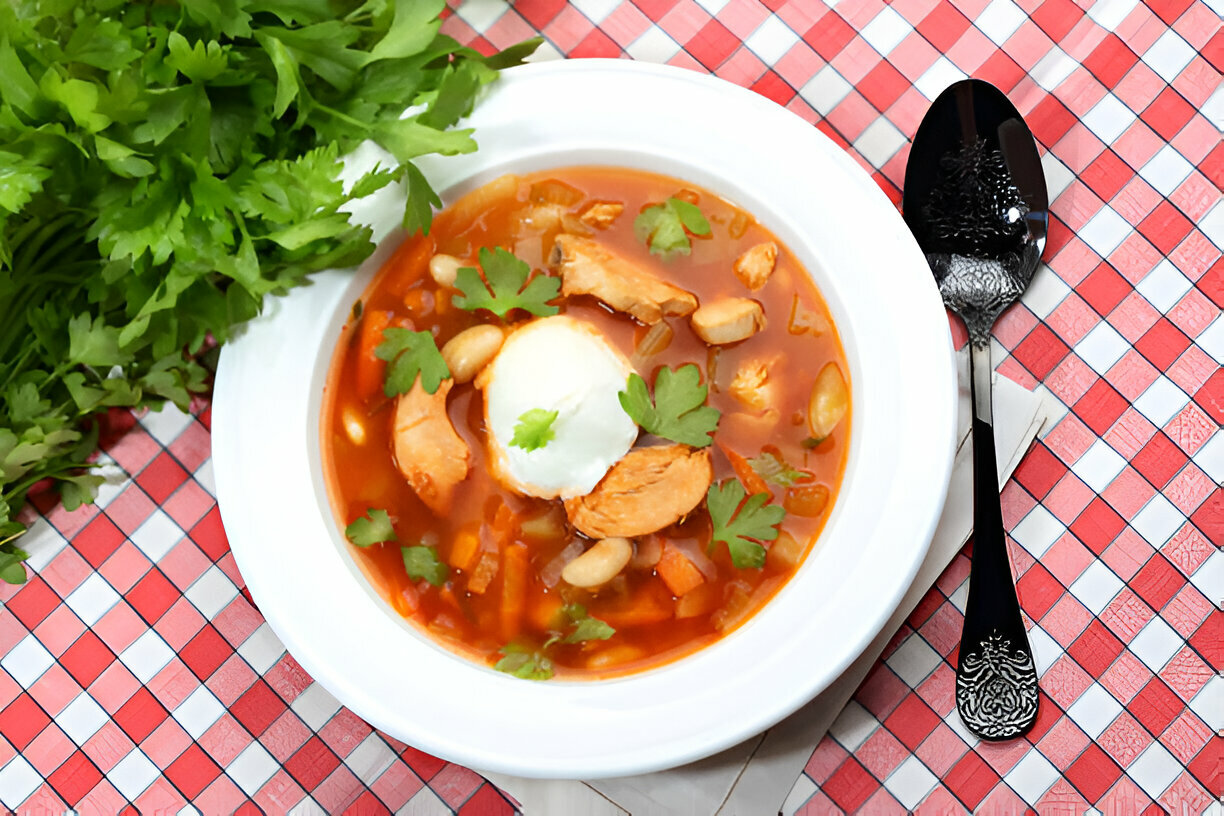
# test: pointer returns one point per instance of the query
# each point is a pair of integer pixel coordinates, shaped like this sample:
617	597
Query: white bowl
266	445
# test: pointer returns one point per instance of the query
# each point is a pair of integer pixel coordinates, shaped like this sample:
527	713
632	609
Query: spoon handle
996	679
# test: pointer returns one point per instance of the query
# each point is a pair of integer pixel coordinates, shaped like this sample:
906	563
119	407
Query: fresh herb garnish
534	429
754	520
585	627
812	441
666	227
679	412
372	528
164	166
409	353
523	662
422	562
773	468
508	287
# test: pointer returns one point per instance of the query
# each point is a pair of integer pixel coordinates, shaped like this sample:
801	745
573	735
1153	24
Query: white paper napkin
755	776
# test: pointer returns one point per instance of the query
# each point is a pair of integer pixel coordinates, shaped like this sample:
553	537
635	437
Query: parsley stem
342	116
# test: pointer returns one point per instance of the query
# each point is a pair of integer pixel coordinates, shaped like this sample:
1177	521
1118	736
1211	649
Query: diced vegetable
602	214
650	603
544	610
829	401
551	573
679	573
407	601
547	526
370	370
554	191
803	319
701	600
514	590
744	471
482	576
784	553
807	500
464	549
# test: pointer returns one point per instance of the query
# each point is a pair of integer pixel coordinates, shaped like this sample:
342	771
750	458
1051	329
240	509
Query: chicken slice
589	269
648	489
752	385
754	267
729	320
428	452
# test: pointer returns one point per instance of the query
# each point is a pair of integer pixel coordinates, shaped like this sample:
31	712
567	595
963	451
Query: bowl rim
244	364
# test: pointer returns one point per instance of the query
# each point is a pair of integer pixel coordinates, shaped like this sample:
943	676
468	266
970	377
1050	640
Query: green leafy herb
812	441
741	531
773	468
422	562
372	528
508	286
534	429
520	661
166	165
666	227
679	412
409	353
585	627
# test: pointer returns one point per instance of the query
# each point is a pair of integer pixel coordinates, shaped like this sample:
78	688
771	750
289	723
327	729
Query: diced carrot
749	478
678	572
406	601
807	500
514	591
651	603
504	525
544	609
370	370
464	549
483	575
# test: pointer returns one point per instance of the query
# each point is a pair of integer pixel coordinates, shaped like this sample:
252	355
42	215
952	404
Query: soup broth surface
488	569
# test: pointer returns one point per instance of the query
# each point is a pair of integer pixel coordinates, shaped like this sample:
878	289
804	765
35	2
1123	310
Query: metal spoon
975	198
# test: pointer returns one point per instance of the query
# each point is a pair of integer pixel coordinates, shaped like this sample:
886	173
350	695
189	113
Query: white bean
599	564
445	268
471	350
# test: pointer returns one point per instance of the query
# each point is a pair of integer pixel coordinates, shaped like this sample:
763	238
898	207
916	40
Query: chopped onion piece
551	573
656	340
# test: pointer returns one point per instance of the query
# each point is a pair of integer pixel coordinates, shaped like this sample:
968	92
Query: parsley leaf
585	627
773	468
534	429
522	662
422	562
409	353
679	412
373	528
666	227
812	441
754	520
508	287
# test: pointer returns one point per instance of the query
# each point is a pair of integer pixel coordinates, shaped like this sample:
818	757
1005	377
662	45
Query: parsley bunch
163	167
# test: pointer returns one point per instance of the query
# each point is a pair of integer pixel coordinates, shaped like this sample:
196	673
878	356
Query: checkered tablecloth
136	671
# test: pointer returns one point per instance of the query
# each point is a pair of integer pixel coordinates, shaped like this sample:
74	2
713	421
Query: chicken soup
590	424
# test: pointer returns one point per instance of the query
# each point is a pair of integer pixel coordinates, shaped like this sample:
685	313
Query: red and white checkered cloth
136	672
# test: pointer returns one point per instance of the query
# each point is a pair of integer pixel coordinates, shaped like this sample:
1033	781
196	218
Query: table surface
136	670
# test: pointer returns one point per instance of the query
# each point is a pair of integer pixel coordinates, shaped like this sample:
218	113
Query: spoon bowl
975	199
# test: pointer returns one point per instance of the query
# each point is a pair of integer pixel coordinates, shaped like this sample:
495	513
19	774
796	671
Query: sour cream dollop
564	365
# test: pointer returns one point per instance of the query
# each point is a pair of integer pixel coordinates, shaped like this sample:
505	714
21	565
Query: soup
588	425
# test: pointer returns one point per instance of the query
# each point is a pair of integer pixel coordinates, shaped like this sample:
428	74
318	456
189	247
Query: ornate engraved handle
996	688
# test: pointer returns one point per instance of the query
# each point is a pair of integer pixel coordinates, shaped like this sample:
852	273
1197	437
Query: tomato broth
496	595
